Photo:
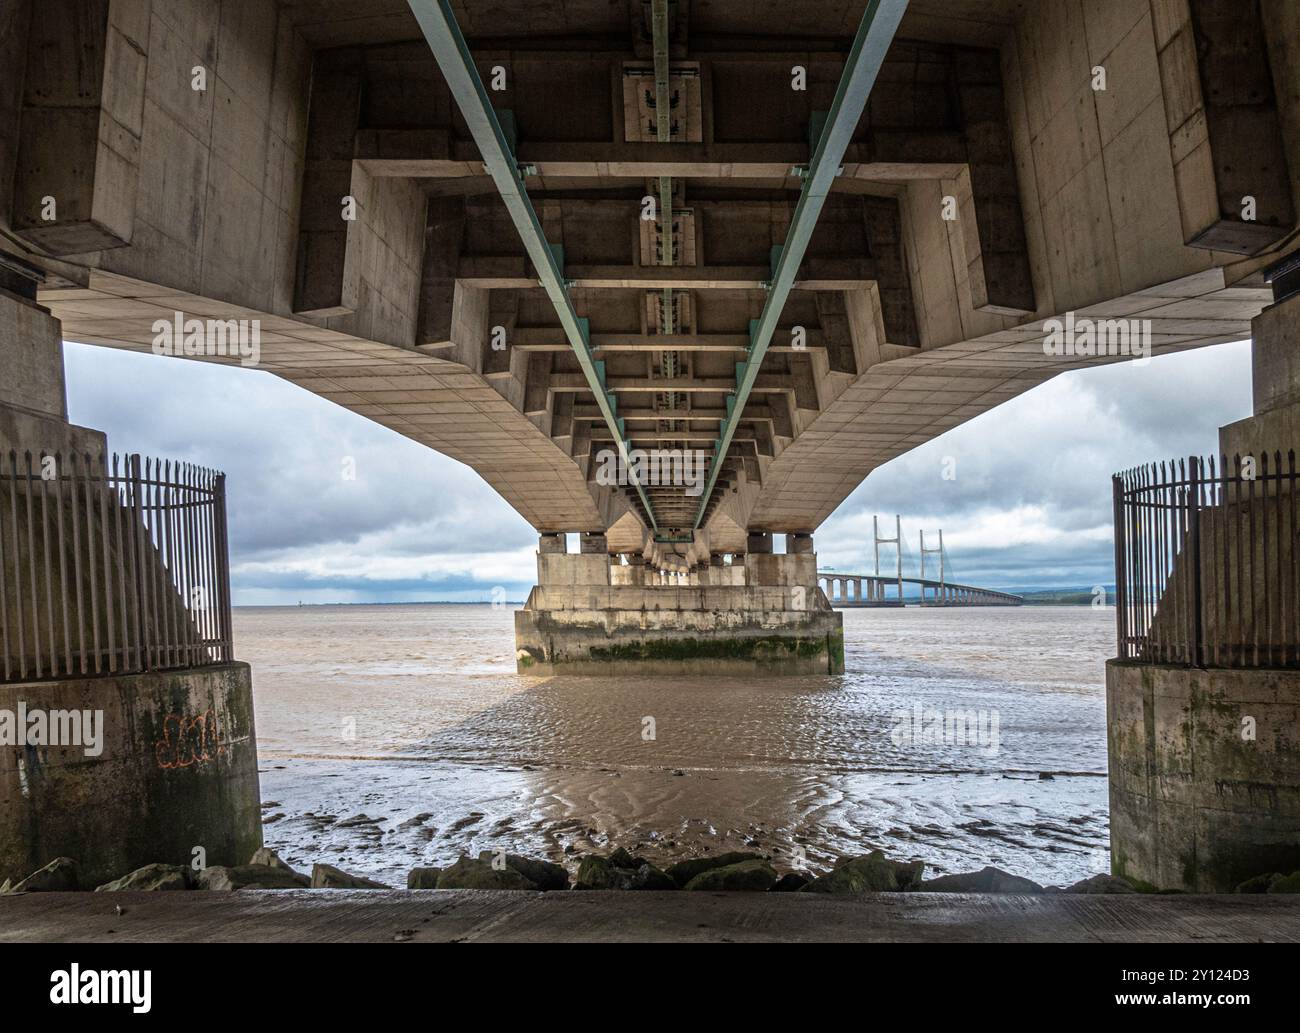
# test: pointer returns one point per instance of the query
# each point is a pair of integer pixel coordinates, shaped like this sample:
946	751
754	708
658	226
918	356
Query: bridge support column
763	614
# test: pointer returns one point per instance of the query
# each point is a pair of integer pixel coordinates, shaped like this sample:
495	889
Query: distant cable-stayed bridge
845	589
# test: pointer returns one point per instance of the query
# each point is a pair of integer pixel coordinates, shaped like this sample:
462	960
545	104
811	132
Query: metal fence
1206	554
111	566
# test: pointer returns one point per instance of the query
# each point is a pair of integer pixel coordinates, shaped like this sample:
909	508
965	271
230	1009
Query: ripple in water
396	736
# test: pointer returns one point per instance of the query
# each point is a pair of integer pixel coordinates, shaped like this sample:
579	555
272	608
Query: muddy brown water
396	736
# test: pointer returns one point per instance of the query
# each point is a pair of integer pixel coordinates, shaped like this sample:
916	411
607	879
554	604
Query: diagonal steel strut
875	33
443	35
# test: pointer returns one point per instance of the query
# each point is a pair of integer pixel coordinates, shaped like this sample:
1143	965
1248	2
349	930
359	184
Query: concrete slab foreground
353	916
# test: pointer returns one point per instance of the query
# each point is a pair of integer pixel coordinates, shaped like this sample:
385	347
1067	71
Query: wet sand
397	736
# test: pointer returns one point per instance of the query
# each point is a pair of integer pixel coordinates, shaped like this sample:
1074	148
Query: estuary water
400	735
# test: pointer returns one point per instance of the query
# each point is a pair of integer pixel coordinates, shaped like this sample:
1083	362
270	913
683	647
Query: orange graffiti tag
189	740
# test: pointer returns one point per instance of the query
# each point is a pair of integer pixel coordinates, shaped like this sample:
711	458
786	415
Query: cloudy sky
1029	505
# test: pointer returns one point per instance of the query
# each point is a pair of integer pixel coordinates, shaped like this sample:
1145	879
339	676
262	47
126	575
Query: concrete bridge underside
989	186
1015	163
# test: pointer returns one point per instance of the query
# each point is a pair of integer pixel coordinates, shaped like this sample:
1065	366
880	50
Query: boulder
684	871
423	878
150	877
1285	884
874	873
600	873
469	873
268	857
327	877
542	874
60	875
755	876
1100	884
1258	884
250	877
791	882
986	880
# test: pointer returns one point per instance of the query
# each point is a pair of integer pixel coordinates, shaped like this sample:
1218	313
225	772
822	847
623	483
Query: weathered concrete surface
1275	367
1122	202
178	770
342	916
1194	805
33	402
762	629
761	615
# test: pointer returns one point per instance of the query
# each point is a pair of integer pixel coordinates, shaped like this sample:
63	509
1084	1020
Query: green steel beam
663	106
659	26
875	33
444	37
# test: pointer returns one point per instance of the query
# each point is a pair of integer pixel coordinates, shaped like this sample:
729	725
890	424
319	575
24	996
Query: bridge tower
897	542
941	593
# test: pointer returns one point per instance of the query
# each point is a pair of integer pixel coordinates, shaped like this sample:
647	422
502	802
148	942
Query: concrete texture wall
178	771
1094	165
214	201
1195	803
33	359
33	401
678	631
564	570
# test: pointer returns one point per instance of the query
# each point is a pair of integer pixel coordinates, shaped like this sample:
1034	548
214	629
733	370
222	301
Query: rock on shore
60	875
1100	884
250	877
150	877
874	873
495	871
327	877
423	878
734	871
986	880
755	876
684	871
621	871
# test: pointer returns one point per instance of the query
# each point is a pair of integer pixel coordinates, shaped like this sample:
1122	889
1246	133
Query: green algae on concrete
552	641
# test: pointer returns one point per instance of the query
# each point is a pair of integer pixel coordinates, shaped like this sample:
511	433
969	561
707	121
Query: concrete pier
763	615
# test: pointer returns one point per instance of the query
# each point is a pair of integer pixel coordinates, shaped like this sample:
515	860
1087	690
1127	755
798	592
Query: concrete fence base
1204	774
175	774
